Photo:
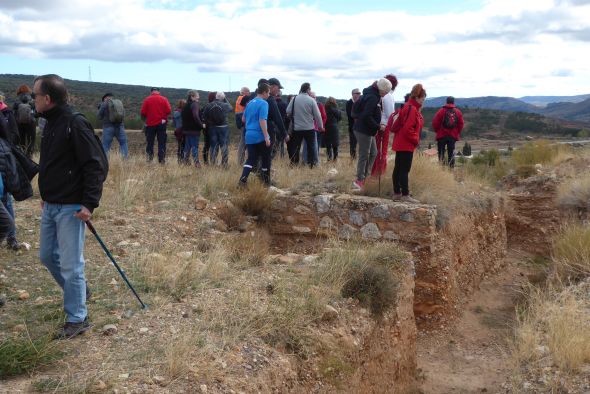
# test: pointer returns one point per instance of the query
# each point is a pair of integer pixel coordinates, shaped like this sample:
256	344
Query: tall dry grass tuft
575	193
553	324
250	248
255	200
571	252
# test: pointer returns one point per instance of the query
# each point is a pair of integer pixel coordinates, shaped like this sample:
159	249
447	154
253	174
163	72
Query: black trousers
296	139
352	140
401	170
6	222
447	143
27	135
256	152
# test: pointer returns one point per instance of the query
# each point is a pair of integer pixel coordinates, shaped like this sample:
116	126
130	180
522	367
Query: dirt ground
471	356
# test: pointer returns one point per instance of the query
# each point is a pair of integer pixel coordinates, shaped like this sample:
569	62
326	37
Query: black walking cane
110	256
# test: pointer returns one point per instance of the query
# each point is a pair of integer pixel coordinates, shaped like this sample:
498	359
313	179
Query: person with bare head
367	114
24	113
239	112
303	111
215	116
257	138
155	110
332	135
406	137
356	95
72	169
191	127
448	124
177	120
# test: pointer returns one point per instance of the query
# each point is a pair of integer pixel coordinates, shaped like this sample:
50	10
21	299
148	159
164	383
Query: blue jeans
61	251
7	201
150	134
191	142
219	136
118	132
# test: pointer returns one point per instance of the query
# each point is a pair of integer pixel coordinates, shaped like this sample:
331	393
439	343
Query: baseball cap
274	81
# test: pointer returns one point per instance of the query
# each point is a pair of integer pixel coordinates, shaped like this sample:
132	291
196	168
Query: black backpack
96	145
215	115
450	119
24	113
8	127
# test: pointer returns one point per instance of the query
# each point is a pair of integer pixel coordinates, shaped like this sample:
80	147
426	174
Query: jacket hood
414	103
371	90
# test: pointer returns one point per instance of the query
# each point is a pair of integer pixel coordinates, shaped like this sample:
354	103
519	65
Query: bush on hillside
575	194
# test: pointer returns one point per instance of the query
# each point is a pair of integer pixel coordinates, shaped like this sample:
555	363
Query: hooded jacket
441	131
407	127
367	112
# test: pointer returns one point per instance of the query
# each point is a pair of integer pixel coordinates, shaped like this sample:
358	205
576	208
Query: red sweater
406	129
155	109
441	131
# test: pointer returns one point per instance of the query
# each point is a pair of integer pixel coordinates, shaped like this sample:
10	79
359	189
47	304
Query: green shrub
537	152
23	354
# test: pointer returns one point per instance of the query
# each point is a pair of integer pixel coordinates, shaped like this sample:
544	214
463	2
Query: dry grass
571	252
558	320
575	193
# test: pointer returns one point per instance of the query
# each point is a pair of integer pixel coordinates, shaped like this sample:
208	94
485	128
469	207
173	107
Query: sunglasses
33	95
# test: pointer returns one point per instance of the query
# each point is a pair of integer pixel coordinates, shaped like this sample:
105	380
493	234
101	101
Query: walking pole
110	256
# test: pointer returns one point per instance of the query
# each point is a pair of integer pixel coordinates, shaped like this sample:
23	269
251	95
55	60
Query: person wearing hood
448	124
406	130
367	112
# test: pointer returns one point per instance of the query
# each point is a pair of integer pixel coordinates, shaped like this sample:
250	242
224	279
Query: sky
464	48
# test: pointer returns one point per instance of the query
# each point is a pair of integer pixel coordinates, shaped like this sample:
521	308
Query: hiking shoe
408	198
358	185
12	244
71	330
396	196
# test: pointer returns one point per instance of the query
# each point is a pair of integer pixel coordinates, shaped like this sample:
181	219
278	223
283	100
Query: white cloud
505	45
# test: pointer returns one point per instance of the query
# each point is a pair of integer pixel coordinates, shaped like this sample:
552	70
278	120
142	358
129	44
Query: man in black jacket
71	175
356	95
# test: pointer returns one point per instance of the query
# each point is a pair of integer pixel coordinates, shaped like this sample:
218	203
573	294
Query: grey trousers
367	154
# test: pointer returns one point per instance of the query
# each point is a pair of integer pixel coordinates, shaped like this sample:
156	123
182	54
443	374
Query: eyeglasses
357	93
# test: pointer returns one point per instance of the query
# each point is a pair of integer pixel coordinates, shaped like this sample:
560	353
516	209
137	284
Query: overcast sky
461	48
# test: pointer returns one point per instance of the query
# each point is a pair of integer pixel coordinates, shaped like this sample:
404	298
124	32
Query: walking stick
110	256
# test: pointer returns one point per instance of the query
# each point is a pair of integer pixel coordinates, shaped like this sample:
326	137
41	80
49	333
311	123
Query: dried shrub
250	248
231	215
571	252
575	194
255	200
374	286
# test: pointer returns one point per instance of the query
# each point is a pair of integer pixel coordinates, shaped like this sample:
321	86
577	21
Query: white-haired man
215	115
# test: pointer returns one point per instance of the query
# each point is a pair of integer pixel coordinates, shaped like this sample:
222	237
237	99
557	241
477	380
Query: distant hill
543	101
488	102
579	112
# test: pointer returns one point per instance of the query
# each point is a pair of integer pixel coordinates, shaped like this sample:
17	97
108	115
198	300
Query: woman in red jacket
406	128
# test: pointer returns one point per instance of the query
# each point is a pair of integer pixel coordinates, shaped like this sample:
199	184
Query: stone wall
449	263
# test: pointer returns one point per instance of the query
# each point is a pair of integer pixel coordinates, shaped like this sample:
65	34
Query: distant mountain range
574	108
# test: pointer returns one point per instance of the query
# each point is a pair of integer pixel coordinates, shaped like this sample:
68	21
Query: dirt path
472	355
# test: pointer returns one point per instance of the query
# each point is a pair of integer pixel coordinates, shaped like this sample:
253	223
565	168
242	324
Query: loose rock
109	329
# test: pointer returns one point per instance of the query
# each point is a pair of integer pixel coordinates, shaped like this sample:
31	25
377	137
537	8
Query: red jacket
406	129
155	109
441	131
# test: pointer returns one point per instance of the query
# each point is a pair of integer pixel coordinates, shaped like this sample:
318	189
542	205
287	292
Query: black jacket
191	118
333	116
368	112
349	104
276	126
70	170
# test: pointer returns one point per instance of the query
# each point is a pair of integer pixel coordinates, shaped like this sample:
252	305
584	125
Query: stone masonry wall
449	264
